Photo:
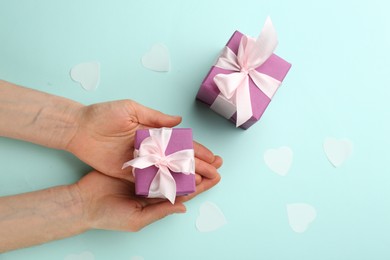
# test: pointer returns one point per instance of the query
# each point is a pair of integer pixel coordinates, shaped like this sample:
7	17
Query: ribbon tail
141	162
126	164
243	103
267	84
163	184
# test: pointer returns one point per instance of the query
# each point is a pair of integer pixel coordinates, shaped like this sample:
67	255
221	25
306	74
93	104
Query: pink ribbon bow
152	152
251	54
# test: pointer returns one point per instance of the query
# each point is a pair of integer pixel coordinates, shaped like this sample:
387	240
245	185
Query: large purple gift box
274	66
181	139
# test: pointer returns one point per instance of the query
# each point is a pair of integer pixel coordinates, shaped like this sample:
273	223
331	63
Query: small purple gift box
163	164
245	77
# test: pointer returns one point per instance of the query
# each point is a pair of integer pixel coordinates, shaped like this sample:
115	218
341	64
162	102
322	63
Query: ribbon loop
230	83
251	54
152	153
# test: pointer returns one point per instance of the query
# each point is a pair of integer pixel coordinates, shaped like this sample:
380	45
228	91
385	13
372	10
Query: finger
205	185
205	169
154	212
203	153
198	179
217	162
127	174
154	118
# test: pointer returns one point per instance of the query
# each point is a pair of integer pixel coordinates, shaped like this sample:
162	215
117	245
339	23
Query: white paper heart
86	255
87	74
300	216
210	217
337	150
157	58
279	160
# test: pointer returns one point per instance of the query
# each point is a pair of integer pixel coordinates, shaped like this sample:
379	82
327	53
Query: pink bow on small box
164	163
245	77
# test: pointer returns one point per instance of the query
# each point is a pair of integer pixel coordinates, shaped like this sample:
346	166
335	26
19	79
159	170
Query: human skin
101	135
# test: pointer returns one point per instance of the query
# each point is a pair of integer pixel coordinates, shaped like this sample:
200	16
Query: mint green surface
338	87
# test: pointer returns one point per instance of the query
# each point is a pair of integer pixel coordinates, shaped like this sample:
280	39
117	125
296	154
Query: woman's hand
104	138
101	135
97	201
110	203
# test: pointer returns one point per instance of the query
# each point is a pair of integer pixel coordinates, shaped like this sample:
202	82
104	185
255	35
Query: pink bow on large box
164	163
245	77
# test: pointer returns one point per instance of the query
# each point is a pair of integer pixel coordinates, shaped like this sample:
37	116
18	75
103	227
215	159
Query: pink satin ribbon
251	54
152	152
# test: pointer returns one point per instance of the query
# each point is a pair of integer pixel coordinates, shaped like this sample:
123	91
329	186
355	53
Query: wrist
61	120
80	209
37	117
85	206
41	216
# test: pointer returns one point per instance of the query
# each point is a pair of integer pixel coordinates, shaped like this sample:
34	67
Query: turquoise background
338	87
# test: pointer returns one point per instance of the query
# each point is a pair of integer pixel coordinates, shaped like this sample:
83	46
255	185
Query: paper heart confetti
279	160
86	255
157	58
300	216
87	74
210	217
337	150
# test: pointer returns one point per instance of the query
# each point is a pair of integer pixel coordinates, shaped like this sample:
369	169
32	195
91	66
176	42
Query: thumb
153	118
154	212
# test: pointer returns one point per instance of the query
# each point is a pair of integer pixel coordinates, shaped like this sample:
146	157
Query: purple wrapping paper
181	139
274	66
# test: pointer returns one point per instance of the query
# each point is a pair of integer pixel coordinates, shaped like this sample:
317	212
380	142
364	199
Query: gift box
245	77
164	163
